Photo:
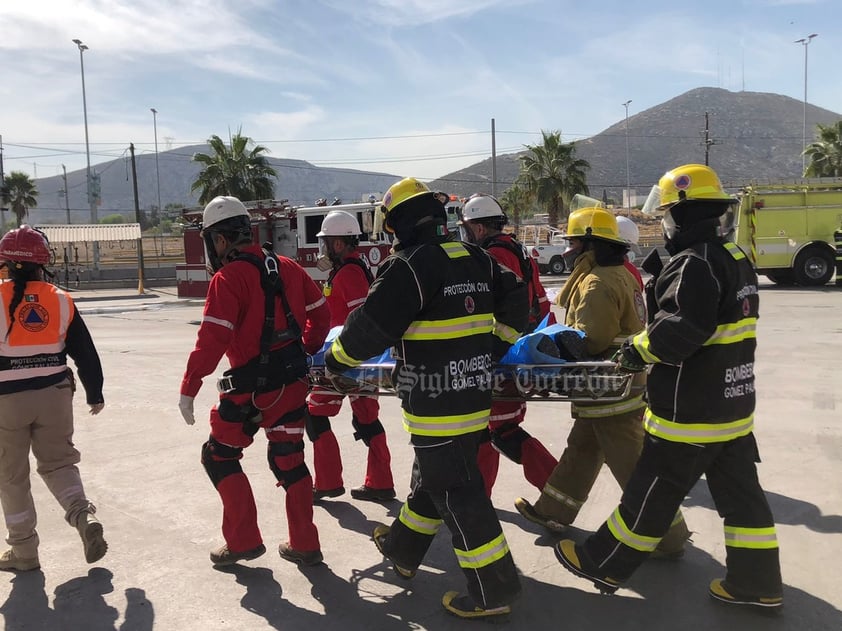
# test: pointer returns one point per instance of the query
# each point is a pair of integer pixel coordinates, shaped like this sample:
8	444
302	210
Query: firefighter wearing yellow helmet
449	311
699	350
604	300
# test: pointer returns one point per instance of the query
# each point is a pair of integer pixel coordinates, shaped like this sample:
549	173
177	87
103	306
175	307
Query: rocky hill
298	181
756	136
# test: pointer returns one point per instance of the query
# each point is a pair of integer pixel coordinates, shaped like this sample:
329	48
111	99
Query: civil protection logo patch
470	305
33	317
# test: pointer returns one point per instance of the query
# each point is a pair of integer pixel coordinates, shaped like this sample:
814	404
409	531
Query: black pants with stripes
664	475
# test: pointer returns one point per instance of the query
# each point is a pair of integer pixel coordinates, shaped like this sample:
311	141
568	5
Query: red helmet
25	245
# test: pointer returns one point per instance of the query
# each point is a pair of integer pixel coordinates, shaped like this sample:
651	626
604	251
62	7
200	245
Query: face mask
669	226
571	253
323	262
212	261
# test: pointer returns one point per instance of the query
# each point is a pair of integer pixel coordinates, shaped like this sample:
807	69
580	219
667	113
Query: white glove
185	404
96	408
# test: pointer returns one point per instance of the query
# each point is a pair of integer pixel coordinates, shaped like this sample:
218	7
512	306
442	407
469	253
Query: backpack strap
526	270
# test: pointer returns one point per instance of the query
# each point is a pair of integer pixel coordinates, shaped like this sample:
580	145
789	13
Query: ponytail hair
20	274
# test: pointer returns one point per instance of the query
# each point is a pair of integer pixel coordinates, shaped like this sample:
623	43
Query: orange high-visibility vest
35	346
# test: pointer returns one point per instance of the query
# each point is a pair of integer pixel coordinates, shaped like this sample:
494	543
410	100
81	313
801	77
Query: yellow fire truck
788	229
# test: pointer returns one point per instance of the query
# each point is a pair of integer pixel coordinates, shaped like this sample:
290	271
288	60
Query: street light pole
805	42
157	175
628	178
91	201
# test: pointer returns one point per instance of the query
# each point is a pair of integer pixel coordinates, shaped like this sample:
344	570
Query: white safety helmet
628	230
221	208
226	216
631	233
339	223
481	206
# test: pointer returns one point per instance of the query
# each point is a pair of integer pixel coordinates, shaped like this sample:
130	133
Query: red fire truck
292	232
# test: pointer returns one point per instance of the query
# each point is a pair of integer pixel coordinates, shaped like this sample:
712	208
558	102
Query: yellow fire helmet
593	223
403	191
690	182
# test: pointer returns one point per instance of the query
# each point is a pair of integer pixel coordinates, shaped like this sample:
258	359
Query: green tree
515	200
239	169
553	174
825	154
20	194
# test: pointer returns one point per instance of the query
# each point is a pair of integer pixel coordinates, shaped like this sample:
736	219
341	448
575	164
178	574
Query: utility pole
493	160
137	218
708	141
628	177
66	193
92	198
805	42
2	184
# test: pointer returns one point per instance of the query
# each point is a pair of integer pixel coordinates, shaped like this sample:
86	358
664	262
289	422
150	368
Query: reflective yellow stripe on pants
484	555
751	538
626	536
418	523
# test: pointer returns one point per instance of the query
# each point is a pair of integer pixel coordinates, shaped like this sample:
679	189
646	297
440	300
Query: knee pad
220	460
508	440
366	431
316	426
287	473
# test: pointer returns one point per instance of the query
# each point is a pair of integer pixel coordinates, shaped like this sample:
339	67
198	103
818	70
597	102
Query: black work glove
334	371
628	359
342	383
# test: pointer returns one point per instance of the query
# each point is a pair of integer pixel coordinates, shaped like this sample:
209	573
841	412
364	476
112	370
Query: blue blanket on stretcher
529	349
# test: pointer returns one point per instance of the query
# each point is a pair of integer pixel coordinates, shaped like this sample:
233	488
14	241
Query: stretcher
535	369
586	381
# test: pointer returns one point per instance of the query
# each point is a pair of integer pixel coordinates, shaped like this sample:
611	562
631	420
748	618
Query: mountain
755	136
298	181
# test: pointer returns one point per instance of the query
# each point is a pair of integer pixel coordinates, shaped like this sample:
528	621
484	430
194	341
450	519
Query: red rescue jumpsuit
231	325
345	292
506	416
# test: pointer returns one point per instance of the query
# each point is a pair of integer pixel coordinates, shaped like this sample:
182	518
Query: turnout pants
614	440
327	461
282	419
447	487
664	475
509	438
40	420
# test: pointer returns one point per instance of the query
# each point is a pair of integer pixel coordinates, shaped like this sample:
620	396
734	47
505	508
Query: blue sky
400	86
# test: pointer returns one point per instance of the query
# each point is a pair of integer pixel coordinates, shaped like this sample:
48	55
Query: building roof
91	233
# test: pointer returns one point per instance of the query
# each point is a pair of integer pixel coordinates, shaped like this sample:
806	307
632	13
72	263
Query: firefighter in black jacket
699	344
449	311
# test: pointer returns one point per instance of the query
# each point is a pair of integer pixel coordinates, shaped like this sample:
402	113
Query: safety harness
497	241
352	261
270	369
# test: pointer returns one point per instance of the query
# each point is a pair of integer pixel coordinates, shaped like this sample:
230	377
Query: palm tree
515	200
553	173
20	193
239	170
826	153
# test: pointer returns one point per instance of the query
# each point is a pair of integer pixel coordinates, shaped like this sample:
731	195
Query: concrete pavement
140	465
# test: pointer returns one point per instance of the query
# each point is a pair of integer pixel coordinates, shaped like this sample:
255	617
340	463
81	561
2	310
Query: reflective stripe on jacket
701	343
441	304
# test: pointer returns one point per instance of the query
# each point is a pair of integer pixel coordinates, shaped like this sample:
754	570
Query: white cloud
409	13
